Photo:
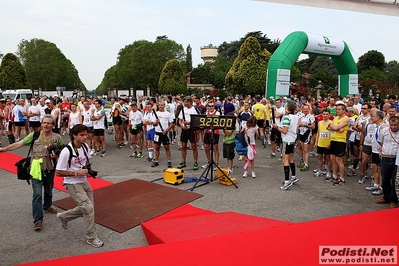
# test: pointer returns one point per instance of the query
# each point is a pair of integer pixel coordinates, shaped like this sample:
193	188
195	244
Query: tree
12	74
172	79
248	73
392	70
140	64
230	50
370	59
46	66
108	81
189	59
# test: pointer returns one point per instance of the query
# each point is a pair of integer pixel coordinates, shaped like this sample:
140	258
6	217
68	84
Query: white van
17	94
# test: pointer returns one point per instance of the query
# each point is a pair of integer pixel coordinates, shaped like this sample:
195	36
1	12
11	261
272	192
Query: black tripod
209	169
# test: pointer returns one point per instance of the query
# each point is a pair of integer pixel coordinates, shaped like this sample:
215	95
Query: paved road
311	198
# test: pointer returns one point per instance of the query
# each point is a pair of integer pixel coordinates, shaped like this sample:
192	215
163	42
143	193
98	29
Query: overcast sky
91	32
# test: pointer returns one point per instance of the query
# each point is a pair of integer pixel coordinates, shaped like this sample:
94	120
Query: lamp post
319	87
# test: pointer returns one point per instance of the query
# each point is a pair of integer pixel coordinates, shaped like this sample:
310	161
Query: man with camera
42	167
75	170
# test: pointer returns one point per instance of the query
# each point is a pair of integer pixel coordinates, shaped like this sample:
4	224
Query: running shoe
287	184
361	180
245	174
339	182
96	242
182	165
294	179
134	155
140	155
195	166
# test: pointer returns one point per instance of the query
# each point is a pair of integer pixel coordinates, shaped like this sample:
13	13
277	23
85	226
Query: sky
91	32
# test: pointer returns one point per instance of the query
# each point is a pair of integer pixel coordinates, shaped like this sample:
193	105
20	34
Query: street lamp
319	87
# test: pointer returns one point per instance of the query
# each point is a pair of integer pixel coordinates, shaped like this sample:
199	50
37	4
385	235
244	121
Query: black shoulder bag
23	165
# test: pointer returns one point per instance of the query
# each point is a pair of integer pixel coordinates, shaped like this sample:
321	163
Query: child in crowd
251	133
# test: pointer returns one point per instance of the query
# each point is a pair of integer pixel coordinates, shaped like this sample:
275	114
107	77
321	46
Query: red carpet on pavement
125	205
8	160
205	225
289	244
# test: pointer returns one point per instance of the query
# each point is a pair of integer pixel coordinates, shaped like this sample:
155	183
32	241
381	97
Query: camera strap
85	149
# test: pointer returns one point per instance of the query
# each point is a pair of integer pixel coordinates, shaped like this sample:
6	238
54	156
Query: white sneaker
378	192
253	175
202	147
96	242
92	152
205	165
126	142
245	174
286	185
229	171
294	179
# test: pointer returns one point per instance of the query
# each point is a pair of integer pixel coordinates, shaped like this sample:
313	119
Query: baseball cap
55	95
285	98
47	101
323	104
339	102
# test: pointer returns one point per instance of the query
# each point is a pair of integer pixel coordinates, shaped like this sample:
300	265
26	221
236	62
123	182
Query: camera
90	171
54	148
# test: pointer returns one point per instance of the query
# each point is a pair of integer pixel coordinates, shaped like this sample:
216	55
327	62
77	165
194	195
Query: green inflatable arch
298	42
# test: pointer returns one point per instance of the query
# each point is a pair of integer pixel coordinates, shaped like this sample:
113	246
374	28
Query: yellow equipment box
174	176
223	179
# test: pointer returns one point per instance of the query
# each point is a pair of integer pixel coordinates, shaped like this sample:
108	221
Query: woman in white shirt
74	117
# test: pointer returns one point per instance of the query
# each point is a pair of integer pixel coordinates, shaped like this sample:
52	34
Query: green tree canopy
172	79
370	59
12	74
248	73
230	50
140	64
46	66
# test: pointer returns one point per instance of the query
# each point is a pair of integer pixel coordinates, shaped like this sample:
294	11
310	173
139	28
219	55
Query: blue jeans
47	183
388	173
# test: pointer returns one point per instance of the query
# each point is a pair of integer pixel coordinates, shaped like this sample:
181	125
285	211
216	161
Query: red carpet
205	225
8	160
292	244
125	205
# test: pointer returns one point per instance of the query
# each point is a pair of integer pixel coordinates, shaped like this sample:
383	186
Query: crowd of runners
348	136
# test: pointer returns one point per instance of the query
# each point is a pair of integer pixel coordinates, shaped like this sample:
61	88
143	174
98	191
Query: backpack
85	150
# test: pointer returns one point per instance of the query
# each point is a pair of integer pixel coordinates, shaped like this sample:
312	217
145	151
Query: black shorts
323	150
117	120
138	130
305	138
8	125
98	132
260	123
35	123
337	148
356	142
161	138
90	130
367	149
288	148
207	138
275	136
375	159
188	135
19	124
228	151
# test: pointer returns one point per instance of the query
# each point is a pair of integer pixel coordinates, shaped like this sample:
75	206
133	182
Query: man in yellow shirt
259	111
338	128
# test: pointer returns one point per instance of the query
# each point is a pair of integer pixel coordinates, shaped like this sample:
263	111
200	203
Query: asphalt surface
309	199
